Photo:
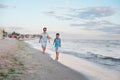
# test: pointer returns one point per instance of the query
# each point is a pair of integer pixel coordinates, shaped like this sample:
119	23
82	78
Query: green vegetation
17	34
11	71
14	72
9	75
3	75
17	62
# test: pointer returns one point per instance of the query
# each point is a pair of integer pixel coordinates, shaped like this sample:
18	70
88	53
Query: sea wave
105	60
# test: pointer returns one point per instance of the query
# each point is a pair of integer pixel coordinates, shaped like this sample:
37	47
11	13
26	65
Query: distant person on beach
57	43
3	34
43	39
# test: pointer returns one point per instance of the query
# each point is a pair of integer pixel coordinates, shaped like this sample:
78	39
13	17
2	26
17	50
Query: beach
87	57
80	39
19	61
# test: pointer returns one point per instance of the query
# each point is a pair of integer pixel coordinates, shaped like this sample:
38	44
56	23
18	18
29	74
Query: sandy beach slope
19	61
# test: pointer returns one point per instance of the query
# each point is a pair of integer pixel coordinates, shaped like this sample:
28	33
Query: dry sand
18	61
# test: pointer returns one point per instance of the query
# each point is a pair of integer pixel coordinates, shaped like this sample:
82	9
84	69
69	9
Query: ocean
104	53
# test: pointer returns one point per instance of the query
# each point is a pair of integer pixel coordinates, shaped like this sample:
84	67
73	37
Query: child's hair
57	34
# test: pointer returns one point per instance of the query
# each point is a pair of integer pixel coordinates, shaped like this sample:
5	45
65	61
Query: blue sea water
103	52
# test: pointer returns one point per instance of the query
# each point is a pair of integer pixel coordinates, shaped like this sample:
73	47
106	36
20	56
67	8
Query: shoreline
34	65
92	70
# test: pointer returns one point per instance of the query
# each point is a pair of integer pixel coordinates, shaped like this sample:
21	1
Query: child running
57	43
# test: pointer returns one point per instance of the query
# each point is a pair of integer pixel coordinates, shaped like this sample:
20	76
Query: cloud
50	12
94	12
95	23
86	24
104	26
63	18
113	29
83	13
90	18
58	15
6	5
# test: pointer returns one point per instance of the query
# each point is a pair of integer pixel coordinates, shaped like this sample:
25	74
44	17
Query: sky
85	18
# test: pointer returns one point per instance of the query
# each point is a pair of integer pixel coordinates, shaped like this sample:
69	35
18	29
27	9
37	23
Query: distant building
1	33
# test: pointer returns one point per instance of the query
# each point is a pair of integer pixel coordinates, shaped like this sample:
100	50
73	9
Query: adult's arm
48	38
40	38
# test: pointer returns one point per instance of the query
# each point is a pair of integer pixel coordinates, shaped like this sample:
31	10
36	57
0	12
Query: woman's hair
44	28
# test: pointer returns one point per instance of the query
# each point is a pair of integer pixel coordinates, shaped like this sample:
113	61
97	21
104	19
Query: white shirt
44	37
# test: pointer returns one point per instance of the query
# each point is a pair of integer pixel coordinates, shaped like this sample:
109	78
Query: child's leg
57	55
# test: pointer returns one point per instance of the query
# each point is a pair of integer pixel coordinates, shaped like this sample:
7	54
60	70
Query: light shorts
57	49
44	44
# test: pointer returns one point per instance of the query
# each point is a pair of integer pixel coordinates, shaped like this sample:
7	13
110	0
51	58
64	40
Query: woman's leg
43	48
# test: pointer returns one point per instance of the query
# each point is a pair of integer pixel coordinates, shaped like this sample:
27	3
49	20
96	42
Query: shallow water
100	56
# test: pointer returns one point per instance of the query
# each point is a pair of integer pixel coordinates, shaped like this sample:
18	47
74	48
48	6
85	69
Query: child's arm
60	42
